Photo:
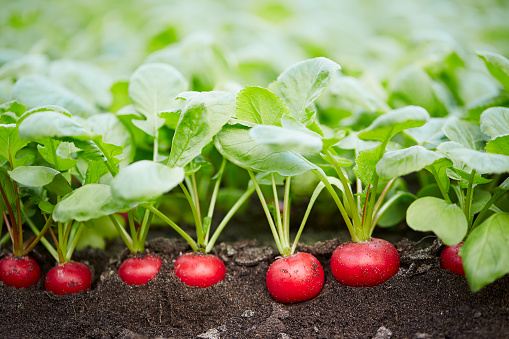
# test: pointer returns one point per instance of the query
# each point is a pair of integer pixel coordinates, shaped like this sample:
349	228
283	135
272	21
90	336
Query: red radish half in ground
69	277
295	278
202	270
138	271
368	263
451	260
19	271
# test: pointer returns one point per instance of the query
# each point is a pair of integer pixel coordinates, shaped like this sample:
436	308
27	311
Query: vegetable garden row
110	126
63	169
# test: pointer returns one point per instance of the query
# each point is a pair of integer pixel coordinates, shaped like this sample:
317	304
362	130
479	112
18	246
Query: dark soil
421	301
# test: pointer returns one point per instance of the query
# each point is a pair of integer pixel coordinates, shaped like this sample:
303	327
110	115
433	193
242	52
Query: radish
201	270
367	263
19	271
69	277
295	278
451	260
138	271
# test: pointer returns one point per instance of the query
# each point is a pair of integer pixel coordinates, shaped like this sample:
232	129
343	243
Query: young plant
196	119
16	269
463	214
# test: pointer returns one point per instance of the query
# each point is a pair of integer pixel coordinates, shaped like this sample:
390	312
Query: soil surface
421	301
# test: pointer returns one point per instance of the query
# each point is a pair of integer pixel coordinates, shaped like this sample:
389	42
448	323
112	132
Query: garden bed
421	301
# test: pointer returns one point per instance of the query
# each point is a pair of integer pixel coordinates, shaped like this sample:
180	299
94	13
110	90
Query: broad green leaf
352	141
498	66
34	176
145	180
12	107
301	84
393	211
235	144
201	119
402	162
389	124
60	185
446	220
57	153
467	159
498	145
261	106
96	170
465	133
281	139
49	124
463	177
485	253
480	198
88	202
495	121
428	135
10	143
152	89
5	181
36	90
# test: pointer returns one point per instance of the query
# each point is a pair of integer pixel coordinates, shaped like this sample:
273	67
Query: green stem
228	216
60	239
123	234
336	199
378	205
277	214
440	187
348	190
197	220
196	197
170	222
4	239
132	229
67	228
213	198
14	229
286	210
74	241
39	236
486	208
145	225
156	145
468	198
43	240
267	212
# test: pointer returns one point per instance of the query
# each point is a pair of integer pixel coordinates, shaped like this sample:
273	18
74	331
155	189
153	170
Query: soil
420	301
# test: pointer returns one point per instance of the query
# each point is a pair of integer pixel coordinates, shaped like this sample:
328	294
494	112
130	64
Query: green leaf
50	124
95	170
301	84
389	124
88	202
260	106
57	153
365	164
465	133
446	220
480	198
10	143
281	139
393	211
145	180
402	162
35	90
35	176
235	144
498	145
467	159
485	253
5	181
430	134
440	168
152	89
60	186
497	65
495	121
12	107
201	119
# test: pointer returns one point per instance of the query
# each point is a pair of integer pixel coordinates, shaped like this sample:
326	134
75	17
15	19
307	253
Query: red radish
367	263
295	278
19	271
138	271
451	260
69	277
202	270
